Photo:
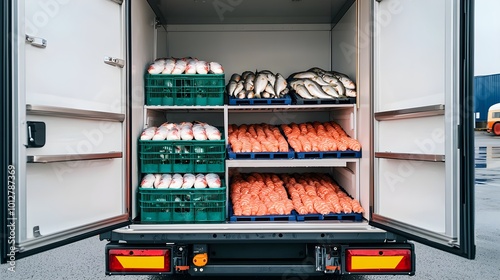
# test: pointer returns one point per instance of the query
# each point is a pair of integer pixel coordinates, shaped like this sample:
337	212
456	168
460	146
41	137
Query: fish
173	134
164	181
200	182
350	92
269	89
330	90
235	77
301	90
266	94
191	67
231	86
216	68
249	82
294	83
213	180
160	133
169	66
199	132
249	94
260	83
319	81
304	75
148	133
245	74
335	83
280	84
157	180
239	88
242	95
346	81
202	67
317	70
188	181
315	89
212	133
177	181
180	67
156	67
148	181
186	133
272	79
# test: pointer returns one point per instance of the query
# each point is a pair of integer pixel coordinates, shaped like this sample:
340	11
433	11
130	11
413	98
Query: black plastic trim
5	125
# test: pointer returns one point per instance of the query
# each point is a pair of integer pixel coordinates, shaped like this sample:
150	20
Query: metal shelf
341	162
191	108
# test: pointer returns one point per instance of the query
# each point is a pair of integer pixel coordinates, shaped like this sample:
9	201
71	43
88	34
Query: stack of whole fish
178	181
181	131
318	83
185	65
258	84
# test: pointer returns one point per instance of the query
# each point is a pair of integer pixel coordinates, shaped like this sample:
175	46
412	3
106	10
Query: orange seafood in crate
258	194
256	138
317	136
316	193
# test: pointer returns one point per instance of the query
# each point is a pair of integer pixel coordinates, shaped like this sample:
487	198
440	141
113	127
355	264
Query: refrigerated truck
73	107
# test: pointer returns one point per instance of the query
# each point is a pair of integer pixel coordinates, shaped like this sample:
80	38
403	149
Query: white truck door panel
420	186
70	74
70	71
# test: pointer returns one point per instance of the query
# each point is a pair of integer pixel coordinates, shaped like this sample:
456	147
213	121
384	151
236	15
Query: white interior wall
246	47
143	52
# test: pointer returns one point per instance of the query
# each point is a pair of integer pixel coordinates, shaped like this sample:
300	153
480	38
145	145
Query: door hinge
36	41
118	1
114	61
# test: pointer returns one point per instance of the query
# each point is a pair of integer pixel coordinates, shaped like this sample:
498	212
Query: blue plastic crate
260	155
333	154
286	100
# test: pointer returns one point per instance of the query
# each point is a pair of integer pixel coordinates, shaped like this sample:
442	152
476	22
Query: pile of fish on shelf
314	83
178	181
182	131
185	65
258	84
318	83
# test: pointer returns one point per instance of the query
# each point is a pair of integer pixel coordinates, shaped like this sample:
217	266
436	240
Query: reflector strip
375	262
151	262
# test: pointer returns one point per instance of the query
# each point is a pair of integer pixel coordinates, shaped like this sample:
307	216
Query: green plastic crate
182	156
185	89
183	205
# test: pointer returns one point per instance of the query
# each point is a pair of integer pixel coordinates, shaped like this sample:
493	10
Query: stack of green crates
182	156
183	205
185	89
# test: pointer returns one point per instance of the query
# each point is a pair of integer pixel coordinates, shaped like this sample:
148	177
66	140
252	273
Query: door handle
36	41
114	61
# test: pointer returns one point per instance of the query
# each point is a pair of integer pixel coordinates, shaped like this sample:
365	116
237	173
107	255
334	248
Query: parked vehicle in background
493	125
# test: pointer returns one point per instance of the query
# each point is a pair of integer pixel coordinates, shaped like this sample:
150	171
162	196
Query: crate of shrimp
183	147
182	205
185	89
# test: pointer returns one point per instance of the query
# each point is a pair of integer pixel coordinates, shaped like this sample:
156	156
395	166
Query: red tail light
139	260
379	260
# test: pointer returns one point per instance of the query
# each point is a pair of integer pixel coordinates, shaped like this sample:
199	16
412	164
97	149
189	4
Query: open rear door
69	144
423	141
